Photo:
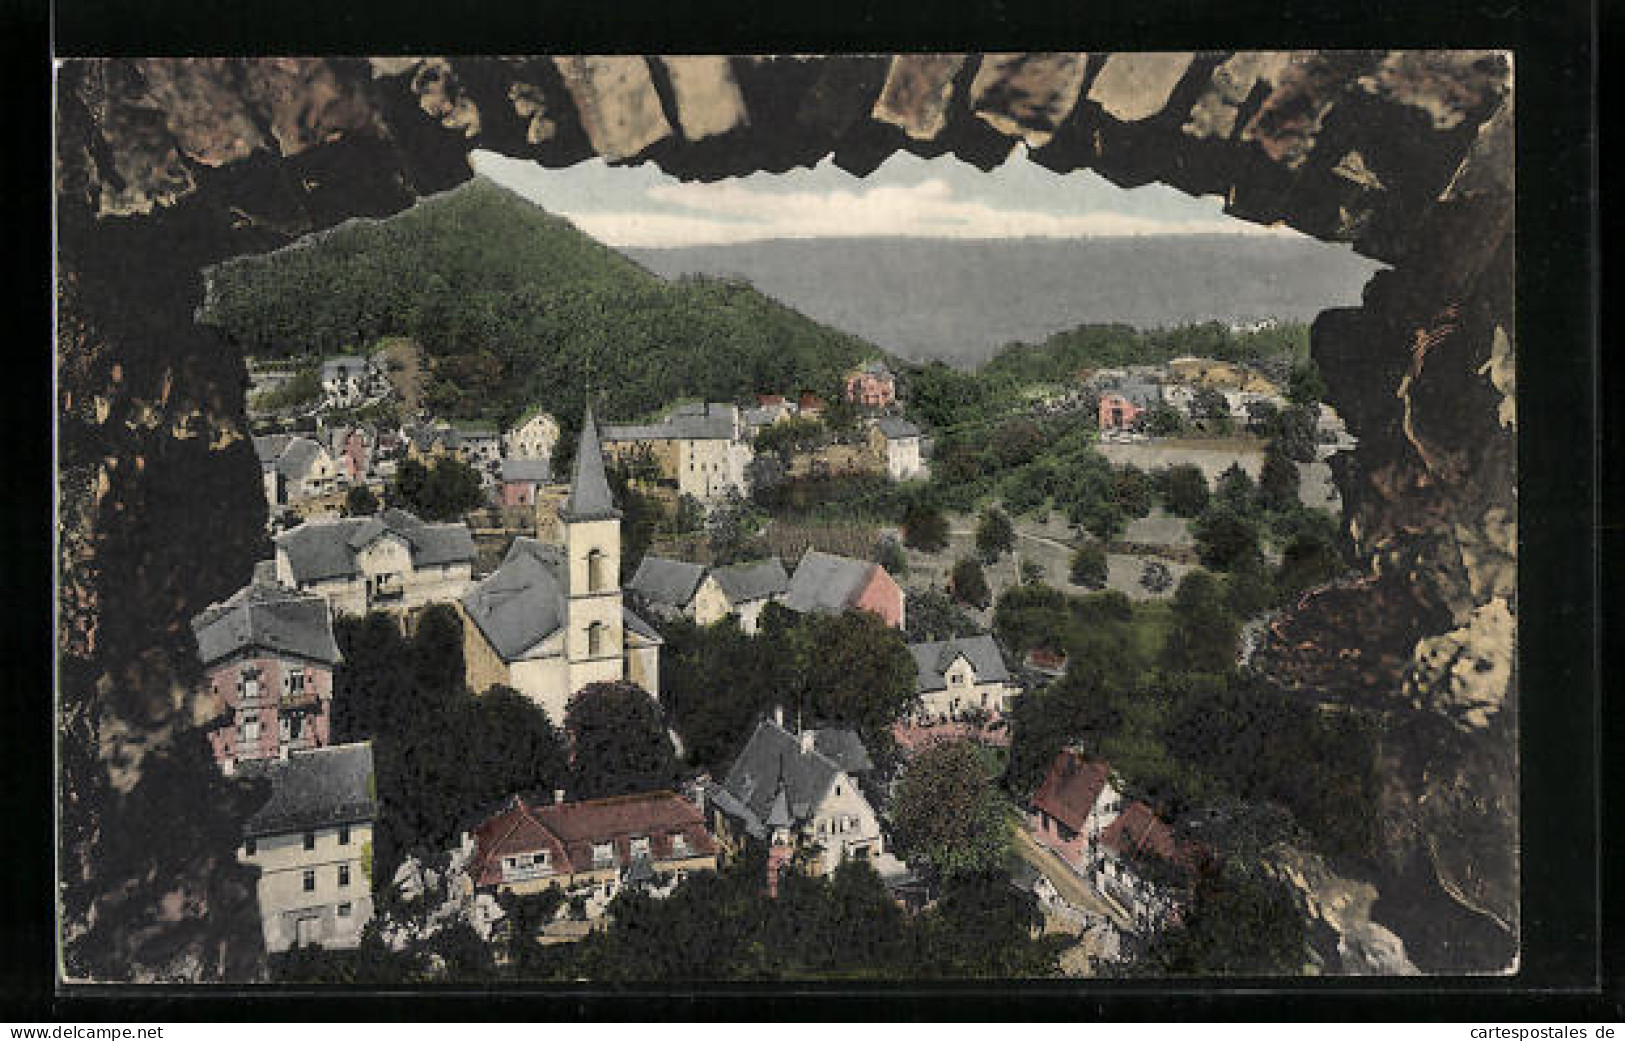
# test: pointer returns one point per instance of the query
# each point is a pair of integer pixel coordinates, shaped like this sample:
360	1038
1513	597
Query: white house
702	447
707	595
392	561
800	791
294	468
312	842
959	676
897	441
533	437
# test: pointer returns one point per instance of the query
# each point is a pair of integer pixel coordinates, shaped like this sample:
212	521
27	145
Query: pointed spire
589	497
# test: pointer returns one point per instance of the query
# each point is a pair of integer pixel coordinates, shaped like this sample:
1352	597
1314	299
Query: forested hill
515	307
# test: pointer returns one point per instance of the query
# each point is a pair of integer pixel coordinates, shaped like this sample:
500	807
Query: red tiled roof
1045	658
809	400
570	830
1137	832
1070	789
769	399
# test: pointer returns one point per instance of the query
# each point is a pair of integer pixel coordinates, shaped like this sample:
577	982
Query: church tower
595	637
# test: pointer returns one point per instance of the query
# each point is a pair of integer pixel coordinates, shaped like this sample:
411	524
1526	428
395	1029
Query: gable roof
1070	788
312	789
322	549
662	580
756	580
932	660
772	772
826	583
1142	393
589	497
894	428
697	421
521	603
1139	833
290	455
269	617
518	469
570	830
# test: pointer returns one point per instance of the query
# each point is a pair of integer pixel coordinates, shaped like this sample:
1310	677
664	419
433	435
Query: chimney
807	737
558	797
778	716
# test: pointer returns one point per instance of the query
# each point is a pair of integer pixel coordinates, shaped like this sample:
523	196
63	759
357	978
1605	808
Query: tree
852	668
1278	480
947	816
1132	491
1163	421
969	585
1032	573
1104	520
932	616
1209	404
1203	636
995	535
733	531
1187	490
1304	386
925	528
1089	565
1225	539
1236	489
618	740
889	555
1155	577
1239	921
442	492
359	501
1307	561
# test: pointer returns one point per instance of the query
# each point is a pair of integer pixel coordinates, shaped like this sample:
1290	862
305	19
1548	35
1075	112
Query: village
586	572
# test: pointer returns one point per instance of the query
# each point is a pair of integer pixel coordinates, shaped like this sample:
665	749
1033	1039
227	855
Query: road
1073	889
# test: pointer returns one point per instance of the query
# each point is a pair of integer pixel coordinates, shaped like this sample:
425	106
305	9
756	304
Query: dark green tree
968	583
1304	386
925	528
932	616
1225	539
618	741
1278	480
852	668
359	501
947	816
1239	922
1236	489
995	535
1187	490
1203	636
1089	565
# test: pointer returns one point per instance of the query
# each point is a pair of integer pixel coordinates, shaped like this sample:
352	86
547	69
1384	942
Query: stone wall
168	166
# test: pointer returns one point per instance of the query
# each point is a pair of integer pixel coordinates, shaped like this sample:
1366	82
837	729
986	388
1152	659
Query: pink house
873	386
268	655
520	480
828	584
353	451
1074	805
1118	412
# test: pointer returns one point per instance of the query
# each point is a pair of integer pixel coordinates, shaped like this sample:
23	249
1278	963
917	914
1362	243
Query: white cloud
725	212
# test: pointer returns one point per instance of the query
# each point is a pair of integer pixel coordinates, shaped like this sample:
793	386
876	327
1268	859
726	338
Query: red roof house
1072	807
527	848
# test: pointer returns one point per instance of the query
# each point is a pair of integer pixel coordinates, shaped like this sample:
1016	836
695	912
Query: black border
1558	384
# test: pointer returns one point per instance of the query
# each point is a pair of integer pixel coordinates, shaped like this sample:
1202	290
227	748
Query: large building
526	848
553	619
268	655
700	447
799	792
312	841
392	561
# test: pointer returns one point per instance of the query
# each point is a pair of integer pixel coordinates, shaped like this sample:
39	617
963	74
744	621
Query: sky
641	207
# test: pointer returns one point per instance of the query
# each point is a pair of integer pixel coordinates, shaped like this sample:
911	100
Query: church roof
589	497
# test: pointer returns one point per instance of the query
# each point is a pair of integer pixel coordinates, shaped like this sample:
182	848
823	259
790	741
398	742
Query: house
1145	867
553	619
268	655
742	590
600	843
811	404
958	677
392	561
522	477
312	843
1126	401
352	448
347	380
294	468
824	583
699	447
897	443
533	437
1073	806
477	444
707	595
872	386
798	792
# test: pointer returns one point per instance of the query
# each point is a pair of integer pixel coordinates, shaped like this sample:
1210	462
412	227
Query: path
1073	889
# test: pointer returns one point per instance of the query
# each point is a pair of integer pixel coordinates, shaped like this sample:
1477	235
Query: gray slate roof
757	580
932	659
637	625
523	602
772	774
894	428
268	617
343	365
825	583
289	455
1143	393
713	421
589	497
540	470
319	788
325	549
671	583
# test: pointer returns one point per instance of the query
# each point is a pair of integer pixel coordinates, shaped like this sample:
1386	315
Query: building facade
960	678
533	437
700	448
392	561
312	843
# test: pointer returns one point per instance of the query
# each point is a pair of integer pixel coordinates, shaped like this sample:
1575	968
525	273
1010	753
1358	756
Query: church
553	618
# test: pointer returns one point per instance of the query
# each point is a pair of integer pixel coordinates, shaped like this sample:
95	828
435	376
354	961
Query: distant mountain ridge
959	300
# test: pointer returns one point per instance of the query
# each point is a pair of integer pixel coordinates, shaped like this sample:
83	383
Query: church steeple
589	497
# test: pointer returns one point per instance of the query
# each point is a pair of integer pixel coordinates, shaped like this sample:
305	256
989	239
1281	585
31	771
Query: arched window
595	571
595	639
